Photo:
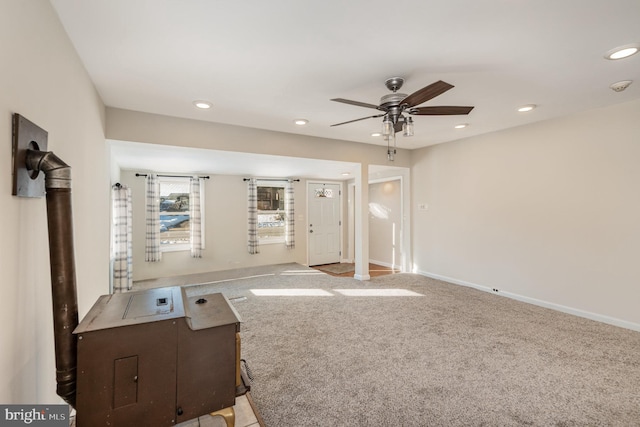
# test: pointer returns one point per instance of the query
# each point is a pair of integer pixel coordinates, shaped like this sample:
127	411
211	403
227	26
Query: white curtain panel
289	226
122	238
152	242
252	215
195	217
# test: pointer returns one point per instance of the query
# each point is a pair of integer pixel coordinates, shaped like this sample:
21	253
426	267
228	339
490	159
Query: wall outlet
423	207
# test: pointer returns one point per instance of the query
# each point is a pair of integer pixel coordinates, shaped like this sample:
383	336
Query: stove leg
228	414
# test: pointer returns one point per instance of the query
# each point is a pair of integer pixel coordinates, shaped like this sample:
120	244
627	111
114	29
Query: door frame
340	209
405	224
400	234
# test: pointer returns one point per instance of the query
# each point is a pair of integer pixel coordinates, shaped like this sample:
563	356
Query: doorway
323	200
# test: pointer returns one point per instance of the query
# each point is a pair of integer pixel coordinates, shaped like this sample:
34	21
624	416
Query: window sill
174	248
271	242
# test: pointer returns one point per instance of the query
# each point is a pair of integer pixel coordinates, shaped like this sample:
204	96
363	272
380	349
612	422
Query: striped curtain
122	240
289	228
152	242
252	206
195	217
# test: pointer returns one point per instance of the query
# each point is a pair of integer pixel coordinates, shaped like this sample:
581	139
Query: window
271	212
174	214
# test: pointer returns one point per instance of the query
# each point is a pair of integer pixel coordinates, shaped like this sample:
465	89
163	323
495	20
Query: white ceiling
264	63
151	157
143	157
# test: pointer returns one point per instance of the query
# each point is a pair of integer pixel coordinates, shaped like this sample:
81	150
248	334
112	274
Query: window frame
166	247
271	184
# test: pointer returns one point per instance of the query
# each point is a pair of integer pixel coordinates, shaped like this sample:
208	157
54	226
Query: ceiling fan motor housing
391	100
391	104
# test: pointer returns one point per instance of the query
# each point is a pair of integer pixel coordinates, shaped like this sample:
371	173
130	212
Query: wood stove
157	357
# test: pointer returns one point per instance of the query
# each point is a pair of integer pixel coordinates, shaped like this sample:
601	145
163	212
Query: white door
324	223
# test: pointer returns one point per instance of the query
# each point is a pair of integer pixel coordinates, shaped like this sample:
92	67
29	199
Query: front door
324	223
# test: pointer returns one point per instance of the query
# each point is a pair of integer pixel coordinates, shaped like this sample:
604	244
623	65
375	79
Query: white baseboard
553	306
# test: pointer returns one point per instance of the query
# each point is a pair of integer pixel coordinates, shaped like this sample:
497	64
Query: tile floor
245	417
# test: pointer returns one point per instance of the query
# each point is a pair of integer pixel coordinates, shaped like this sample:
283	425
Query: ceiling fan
396	106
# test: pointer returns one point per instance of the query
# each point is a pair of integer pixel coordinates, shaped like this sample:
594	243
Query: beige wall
125	125
42	79
225	231
548	211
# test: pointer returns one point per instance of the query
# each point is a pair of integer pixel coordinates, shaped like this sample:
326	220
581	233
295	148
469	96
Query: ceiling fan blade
357	103
440	111
427	93
357	120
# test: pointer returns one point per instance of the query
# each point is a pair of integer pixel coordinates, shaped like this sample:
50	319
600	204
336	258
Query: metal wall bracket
27	136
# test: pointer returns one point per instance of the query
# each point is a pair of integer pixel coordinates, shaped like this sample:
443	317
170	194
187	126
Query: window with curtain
180	205
271	212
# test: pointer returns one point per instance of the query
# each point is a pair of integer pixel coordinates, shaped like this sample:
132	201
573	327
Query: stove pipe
63	275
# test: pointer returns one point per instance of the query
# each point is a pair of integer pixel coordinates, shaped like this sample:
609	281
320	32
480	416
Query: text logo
34	415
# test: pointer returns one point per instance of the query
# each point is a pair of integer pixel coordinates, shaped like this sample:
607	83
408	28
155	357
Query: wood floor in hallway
374	271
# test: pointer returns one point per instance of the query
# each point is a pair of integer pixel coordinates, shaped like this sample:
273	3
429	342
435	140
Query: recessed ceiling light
345	174
526	108
301	122
205	105
461	125
376	134
623	51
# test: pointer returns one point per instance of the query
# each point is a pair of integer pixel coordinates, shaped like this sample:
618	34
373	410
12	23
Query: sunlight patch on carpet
378	293
291	292
300	273
234	279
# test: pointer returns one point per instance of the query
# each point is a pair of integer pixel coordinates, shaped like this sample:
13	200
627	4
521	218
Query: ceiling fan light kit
391	151
396	108
407	127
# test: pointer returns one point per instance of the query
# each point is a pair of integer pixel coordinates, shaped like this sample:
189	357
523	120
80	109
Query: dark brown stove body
156	357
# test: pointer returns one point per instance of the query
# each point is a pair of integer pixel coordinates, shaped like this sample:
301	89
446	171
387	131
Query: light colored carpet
452	356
